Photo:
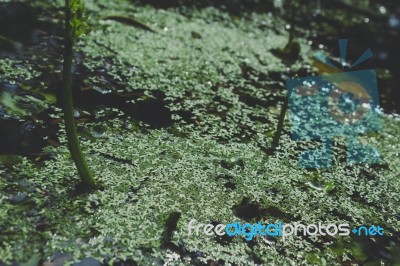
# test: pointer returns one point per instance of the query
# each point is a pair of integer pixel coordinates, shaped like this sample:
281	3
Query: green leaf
79	25
329	187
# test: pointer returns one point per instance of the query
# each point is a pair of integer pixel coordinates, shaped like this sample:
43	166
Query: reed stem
70	126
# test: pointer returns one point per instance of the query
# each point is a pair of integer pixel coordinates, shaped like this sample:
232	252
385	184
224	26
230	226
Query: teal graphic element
344	104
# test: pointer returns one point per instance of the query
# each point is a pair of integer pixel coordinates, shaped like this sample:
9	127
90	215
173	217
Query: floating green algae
207	166
162	173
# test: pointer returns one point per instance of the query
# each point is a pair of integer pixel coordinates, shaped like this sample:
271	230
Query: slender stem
70	126
292	13
279	129
319	7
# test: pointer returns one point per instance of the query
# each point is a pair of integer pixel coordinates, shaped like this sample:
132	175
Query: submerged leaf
132	22
10	45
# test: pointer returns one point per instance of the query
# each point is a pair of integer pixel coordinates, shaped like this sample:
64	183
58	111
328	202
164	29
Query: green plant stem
70	126
279	129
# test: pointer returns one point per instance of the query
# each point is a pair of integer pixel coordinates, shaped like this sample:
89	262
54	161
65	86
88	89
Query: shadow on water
376	27
14	31
96	87
235	7
25	105
21	30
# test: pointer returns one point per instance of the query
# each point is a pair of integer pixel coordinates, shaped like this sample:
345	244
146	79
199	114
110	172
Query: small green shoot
75	26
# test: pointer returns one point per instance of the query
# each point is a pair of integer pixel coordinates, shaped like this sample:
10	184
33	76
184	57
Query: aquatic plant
291	51
75	26
319	8
279	128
